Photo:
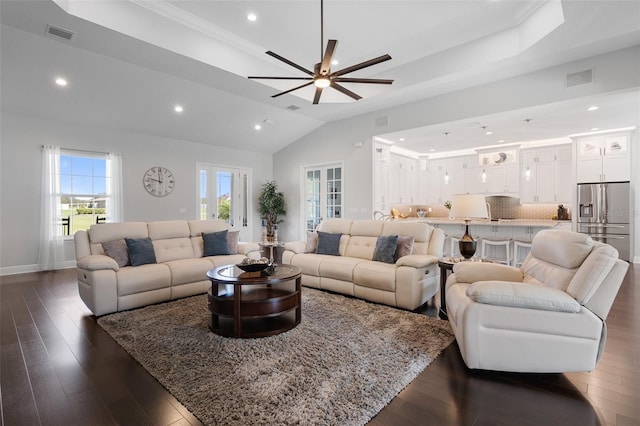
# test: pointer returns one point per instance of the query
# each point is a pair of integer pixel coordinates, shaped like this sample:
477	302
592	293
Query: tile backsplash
501	208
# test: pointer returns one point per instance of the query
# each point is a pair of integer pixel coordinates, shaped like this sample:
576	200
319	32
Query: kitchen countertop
502	222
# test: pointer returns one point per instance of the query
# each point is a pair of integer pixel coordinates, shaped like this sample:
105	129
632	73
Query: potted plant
271	204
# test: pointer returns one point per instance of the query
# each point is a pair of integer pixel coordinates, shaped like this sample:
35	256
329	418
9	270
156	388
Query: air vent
579	78
60	32
381	121
293	107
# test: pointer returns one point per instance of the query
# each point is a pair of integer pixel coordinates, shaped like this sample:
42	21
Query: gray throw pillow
385	248
232	241
215	243
328	243
312	242
117	250
405	246
140	251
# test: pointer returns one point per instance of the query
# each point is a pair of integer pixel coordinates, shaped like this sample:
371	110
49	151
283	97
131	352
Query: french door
323	194
224	193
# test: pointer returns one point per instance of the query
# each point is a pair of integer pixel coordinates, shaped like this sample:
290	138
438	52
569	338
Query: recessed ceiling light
432	150
501	141
593	129
335	62
593	108
178	108
252	17
257	127
401	139
489	133
61	81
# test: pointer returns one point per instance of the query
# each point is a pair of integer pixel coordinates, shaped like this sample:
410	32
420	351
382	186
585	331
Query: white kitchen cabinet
402	179
603	158
501	180
435	172
545	174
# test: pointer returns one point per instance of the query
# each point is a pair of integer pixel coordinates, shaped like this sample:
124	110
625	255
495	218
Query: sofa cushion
522	295
114	231
309	263
189	270
140	251
173	249
338	267
386	246
143	278
561	247
361	246
215	243
335	226
378	275
404	247
168	229
328	243
117	250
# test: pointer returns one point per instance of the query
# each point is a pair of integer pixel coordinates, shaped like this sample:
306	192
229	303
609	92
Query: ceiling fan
321	76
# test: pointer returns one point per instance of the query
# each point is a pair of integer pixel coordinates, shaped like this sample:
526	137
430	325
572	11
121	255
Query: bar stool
520	244
506	243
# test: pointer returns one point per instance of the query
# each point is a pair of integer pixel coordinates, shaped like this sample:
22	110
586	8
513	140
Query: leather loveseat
407	282
179	269
547	316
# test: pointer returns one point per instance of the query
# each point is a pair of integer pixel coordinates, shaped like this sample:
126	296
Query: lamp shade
467	206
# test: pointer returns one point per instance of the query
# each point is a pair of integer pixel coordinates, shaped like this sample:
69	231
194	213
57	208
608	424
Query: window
78	189
323	194
224	193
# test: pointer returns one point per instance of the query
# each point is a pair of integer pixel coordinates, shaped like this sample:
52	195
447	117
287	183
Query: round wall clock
158	181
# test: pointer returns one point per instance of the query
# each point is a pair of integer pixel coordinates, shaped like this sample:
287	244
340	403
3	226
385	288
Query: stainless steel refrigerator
604	214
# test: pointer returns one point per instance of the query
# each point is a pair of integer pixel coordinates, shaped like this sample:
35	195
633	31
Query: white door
323	194
224	193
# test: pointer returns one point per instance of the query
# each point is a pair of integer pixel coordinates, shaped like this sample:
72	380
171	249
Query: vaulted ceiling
130	62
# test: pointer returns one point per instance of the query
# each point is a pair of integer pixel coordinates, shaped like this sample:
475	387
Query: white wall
20	177
335	141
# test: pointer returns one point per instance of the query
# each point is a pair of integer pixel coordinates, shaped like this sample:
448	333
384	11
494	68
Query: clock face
158	181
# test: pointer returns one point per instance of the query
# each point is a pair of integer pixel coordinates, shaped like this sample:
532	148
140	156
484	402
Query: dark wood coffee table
254	304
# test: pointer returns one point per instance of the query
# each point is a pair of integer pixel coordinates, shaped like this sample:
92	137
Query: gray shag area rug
345	361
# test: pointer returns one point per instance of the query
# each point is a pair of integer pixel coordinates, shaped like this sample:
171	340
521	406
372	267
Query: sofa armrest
417	260
296	246
247	247
470	272
96	262
522	295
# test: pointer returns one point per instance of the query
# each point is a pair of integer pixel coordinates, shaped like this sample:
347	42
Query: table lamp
468	206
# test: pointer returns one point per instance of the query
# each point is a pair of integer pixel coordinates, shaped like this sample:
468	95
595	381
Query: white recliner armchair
547	316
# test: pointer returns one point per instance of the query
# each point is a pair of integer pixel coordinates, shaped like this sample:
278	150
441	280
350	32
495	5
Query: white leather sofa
180	270
407	283
547	316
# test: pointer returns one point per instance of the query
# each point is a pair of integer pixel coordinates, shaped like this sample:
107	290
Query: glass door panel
323	194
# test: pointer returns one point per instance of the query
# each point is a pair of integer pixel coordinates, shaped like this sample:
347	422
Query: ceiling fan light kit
321	76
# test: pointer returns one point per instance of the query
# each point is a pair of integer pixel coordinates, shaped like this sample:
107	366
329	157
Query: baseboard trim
25	269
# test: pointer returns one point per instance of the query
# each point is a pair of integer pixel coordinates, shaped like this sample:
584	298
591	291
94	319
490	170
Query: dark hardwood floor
57	366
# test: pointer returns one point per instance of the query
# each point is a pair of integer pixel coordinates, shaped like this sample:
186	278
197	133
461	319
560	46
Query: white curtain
51	254
114	187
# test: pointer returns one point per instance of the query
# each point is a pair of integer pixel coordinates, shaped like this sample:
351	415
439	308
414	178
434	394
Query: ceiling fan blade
328	56
288	62
316	97
291	90
345	91
280	78
361	65
362	80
